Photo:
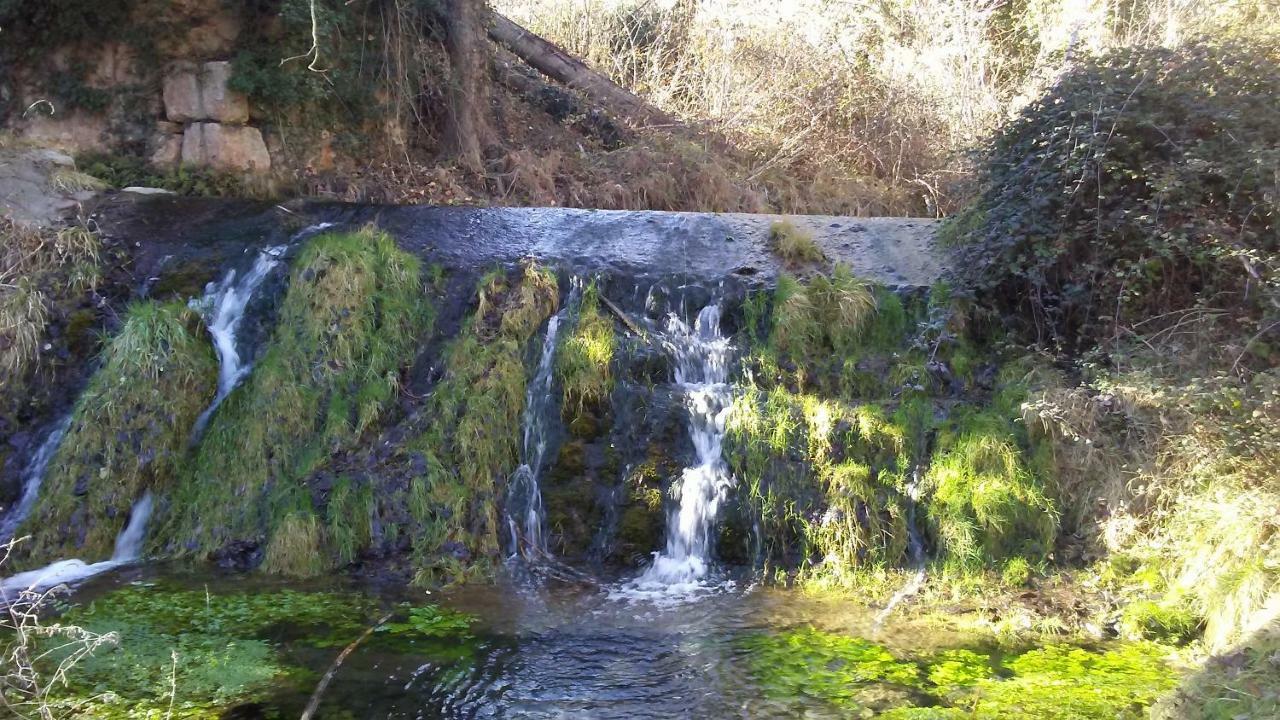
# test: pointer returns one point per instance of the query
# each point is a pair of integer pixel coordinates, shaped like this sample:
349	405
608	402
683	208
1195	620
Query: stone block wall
206	122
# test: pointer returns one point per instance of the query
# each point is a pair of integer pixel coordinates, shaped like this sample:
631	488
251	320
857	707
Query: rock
182	95
137	190
217	100
192	94
225	147
167	150
27	190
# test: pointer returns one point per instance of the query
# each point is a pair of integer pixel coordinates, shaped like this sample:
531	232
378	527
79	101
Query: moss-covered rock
472	442
348	324
129	433
584	359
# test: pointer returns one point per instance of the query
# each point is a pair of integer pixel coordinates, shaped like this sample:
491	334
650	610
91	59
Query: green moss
129	432
349	322
584	358
472	441
984	506
296	548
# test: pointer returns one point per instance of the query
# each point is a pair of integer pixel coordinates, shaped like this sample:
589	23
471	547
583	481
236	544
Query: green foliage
349	322
984	506
432	621
1141	184
1061	682
1239	683
129	432
584	358
121	171
210	647
472	440
1056	682
1153	620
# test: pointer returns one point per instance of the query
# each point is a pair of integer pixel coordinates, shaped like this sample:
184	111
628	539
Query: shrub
1142	183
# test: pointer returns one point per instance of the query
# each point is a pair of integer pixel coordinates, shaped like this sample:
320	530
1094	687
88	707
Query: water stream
32	478
526	519
65	572
701	356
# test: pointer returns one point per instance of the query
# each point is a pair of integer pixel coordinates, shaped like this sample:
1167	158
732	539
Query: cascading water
224	304
525	517
64	572
701	358
32	478
915	549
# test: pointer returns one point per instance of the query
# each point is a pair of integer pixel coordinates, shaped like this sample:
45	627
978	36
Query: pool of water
249	648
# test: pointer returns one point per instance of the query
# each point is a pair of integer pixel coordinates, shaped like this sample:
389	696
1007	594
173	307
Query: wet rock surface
642	246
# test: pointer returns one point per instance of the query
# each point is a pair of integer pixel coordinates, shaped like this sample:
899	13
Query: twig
631	325
314	703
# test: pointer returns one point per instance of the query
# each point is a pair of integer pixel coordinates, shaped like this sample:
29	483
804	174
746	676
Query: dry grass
793	245
859	108
37	268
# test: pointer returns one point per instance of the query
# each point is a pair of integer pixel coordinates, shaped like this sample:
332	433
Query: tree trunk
467	130
563	67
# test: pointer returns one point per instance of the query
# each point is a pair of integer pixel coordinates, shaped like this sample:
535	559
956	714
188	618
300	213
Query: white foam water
32	478
67	572
701	356
224	305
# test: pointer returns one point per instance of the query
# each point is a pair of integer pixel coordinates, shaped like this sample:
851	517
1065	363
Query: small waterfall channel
32	478
63	572
526	519
701	356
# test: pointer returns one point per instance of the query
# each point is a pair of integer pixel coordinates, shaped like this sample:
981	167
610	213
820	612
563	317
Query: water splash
65	572
701	356
526	519
33	477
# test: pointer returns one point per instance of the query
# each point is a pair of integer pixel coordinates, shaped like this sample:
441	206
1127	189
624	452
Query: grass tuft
584	359
795	246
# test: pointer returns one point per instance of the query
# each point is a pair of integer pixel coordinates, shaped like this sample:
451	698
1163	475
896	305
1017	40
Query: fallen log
559	65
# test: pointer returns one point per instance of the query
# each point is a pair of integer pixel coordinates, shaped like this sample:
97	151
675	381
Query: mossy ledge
129	432
470	440
347	326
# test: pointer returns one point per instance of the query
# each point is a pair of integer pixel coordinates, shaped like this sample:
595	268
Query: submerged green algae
202	652
1055	682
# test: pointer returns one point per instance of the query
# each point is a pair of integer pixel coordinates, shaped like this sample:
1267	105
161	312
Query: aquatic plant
833	667
348	324
129	431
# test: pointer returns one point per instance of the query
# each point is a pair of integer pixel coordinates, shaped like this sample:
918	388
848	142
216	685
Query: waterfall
224	304
32	477
65	572
915	548
701	371
526	520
